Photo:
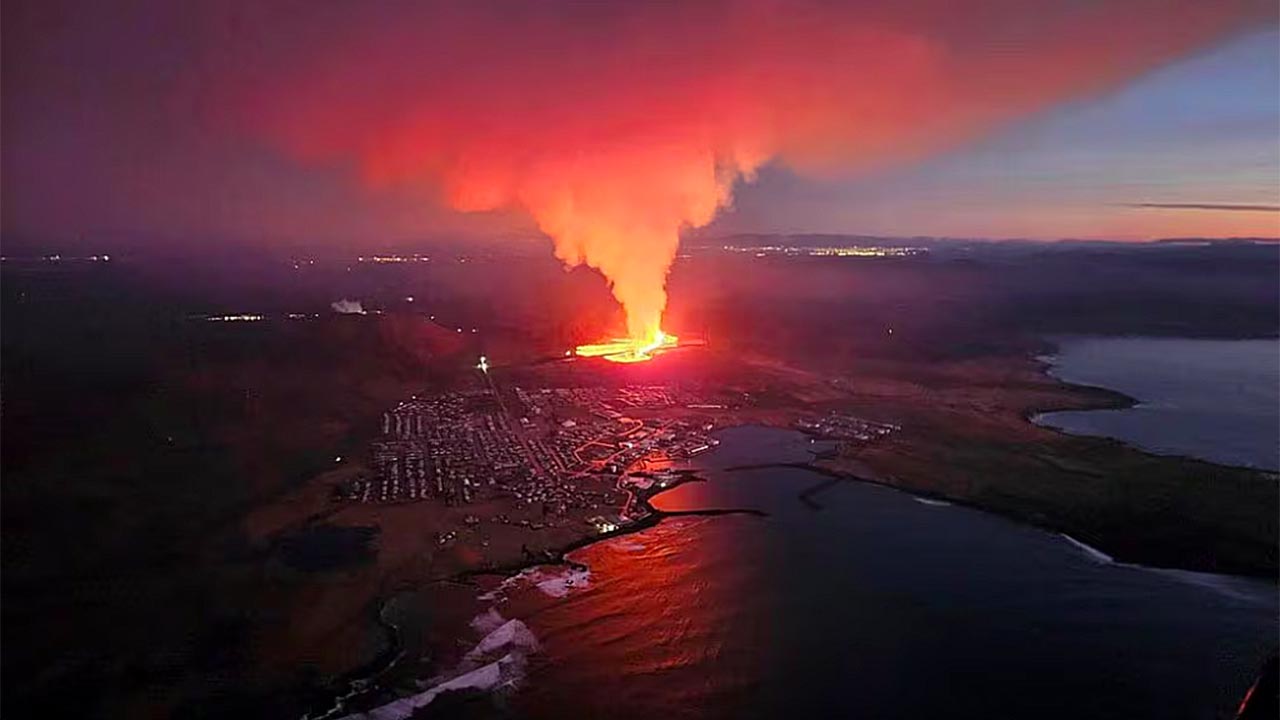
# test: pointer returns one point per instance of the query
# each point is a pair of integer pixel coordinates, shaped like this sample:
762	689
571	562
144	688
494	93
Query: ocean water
862	603
1218	400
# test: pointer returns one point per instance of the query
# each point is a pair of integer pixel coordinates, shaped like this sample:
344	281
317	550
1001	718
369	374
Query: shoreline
1088	398
1034	416
1115	400
357	682
559	556
652	517
1098	551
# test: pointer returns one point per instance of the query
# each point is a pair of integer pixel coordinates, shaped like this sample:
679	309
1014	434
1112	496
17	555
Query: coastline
652	517
1105	398
1055	395
1090	398
360	681
1113	399
942	500
445	684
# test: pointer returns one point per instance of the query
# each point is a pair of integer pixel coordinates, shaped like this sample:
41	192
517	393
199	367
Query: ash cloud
617	126
613	125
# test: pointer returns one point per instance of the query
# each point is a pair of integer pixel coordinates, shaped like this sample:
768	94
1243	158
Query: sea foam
1230	586
510	643
486	677
487	621
558	583
1094	553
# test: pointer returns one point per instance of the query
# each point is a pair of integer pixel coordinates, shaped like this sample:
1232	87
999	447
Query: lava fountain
615	127
629	350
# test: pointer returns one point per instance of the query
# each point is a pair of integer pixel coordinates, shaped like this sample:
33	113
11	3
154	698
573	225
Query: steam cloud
347	307
618	125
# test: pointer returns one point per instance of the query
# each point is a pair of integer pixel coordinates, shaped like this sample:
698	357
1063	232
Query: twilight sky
201	121
1203	130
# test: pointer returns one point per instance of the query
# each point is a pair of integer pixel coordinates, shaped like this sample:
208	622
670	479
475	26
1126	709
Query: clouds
1228	207
315	119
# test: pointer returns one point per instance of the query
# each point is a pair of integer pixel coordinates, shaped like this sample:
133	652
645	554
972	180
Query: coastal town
541	453
848	428
561	449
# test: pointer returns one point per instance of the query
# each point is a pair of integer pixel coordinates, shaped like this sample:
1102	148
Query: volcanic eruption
629	350
616	126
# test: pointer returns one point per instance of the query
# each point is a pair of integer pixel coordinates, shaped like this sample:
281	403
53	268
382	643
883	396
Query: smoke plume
347	307
618	125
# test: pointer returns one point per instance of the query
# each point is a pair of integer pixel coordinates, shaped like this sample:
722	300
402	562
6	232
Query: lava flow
629	350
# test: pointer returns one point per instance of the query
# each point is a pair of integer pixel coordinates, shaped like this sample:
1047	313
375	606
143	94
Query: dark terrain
138	437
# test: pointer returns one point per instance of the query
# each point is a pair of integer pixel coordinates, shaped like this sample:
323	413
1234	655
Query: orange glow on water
629	350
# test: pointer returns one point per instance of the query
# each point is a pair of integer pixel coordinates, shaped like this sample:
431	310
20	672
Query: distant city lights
54	258
236	318
253	317
392	259
830	251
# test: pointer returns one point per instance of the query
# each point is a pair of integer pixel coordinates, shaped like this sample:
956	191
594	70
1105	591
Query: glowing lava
629	350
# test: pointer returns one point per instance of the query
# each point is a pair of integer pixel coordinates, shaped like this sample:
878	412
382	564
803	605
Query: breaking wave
487	621
1230	586
497	662
555	582
1094	553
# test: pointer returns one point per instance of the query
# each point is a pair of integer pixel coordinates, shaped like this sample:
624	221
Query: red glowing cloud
616	125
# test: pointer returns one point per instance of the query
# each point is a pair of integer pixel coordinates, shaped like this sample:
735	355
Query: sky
1203	130
187	123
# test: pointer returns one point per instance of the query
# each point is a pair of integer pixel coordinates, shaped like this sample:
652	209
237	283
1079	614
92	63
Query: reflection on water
875	605
659	614
1212	399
